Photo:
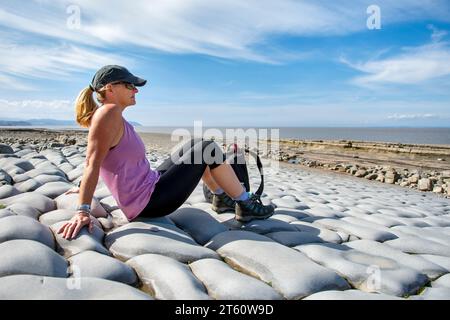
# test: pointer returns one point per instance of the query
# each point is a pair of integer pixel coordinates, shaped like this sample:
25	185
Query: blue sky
233	63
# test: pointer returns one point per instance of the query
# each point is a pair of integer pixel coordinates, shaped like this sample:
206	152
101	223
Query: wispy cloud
20	63
231	29
437	34
26	109
17	105
414	65
416	116
14	83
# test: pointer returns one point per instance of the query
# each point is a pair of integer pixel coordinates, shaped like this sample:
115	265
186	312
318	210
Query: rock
109	203
55	145
197	223
293	238
323	233
46	178
274	264
350	295
414	178
5	149
322	211
54	189
425	184
267	226
77	161
70	202
416	245
167	279
28	185
19	227
137	238
383	220
438	189
5	178
289	202
363	232
66	167
35	200
360	173
442	282
399	213
284	217
441	261
106	223
368	224
423	233
32	156
225	283
30	257
295	213
51	171
118	218
371	176
274	193
75	173
366	272
17	162
391	177
433	294
13	170
6	213
84	241
49	288
24	152
412	261
7	191
96	265
37	161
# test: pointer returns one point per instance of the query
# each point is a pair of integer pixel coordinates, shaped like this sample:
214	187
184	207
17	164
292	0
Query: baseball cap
114	73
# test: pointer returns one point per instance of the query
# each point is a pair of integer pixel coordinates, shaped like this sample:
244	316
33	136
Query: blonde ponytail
85	107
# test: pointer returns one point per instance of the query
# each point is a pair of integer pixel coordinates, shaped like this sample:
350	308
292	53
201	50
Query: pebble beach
335	234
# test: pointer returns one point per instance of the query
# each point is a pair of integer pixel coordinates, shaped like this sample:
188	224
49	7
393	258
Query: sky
364	63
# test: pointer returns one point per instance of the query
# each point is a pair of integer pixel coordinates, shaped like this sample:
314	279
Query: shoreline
416	166
358	142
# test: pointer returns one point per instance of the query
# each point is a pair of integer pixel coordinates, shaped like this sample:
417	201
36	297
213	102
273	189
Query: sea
429	136
433	136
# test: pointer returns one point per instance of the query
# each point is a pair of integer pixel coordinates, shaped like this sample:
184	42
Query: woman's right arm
104	128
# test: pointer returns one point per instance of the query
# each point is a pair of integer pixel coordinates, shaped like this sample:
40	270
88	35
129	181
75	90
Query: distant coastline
397	135
44	122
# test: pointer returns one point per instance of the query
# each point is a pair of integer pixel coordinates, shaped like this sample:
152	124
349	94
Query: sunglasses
127	85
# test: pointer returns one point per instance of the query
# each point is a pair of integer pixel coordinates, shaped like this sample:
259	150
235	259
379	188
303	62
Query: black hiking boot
252	208
222	203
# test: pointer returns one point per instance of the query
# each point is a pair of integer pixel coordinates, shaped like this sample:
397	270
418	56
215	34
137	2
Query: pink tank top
127	173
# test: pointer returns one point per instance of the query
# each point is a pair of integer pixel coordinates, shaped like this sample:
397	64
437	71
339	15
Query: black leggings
180	174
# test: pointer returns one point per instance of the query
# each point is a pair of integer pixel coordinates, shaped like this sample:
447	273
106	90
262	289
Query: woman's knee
212	154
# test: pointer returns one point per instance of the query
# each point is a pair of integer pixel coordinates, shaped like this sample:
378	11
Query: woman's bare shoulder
110	114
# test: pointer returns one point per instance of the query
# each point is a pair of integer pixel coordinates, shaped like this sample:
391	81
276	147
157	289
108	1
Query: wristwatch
85	208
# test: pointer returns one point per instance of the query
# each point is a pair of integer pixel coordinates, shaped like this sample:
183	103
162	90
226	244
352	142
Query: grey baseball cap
114	73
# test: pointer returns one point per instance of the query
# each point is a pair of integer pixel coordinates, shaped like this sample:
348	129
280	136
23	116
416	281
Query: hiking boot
252	208
222	203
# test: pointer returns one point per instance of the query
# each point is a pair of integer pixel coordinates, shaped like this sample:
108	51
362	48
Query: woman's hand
70	229
73	190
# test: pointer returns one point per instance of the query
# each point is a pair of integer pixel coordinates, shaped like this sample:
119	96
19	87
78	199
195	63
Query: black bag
236	158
